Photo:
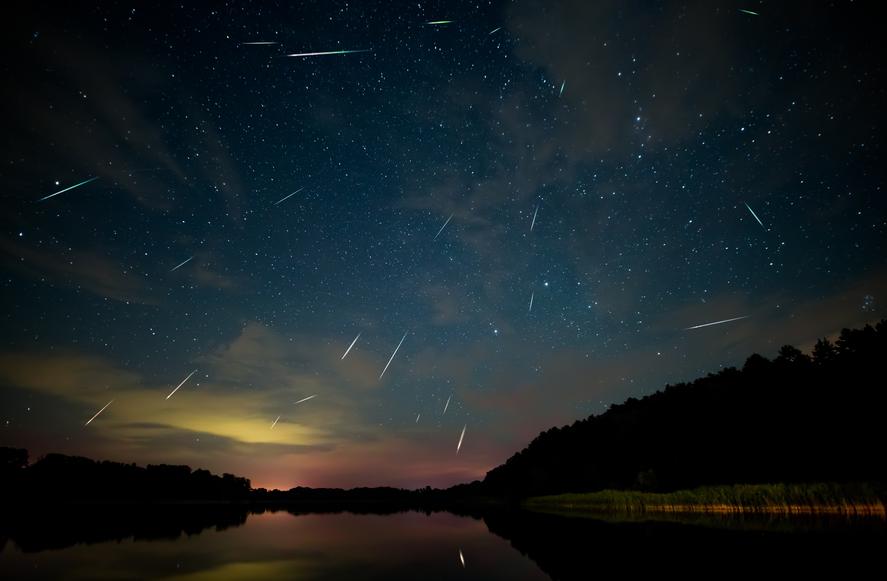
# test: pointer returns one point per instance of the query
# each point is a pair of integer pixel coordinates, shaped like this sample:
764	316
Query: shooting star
181	384
536	213
461	558
180	265
532	295
755	215
305	399
439	22
347	351
494	31
717	322
98	412
69	188
261	42
459	445
442	227
283	199
325	53
393	354
446	405
749	12
274	423
562	88
417	418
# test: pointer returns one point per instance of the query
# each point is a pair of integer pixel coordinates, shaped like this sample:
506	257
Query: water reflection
231	542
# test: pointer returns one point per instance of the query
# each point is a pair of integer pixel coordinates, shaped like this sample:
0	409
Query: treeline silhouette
797	418
60	478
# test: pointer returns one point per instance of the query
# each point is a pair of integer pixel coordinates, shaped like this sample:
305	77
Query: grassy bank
787	499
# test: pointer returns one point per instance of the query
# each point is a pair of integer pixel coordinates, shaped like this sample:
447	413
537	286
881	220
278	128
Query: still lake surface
233	543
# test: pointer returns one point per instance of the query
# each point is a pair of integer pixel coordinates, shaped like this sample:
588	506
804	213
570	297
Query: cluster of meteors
436	236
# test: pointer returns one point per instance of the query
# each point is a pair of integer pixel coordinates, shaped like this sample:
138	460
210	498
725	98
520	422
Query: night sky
632	169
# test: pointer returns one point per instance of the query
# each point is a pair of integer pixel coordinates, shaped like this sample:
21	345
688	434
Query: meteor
181	264
494	31
536	213
717	322
756	216
459	445
749	12
439	22
181	384
446	405
261	42
532	295
98	412
347	351
393	354
274	423
417	418
305	399
304	54
83	183
289	196
442	227
461	558
562	88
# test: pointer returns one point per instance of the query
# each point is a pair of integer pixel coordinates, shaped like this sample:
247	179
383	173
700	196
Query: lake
225	542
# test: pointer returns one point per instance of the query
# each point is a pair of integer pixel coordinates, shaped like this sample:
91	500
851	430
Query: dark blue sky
640	135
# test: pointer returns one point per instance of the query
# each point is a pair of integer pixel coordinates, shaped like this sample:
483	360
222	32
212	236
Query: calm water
226	543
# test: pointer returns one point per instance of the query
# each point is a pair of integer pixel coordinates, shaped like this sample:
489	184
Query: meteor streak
532	295
69	188
325	53
417	418
562	88
181	384
756	216
289	196
459	445
442	227
261	42
749	12
438	22
305	399
536	213
274	423
461	558
98	412
494	31
717	322
446	405
393	354
347	351
181	264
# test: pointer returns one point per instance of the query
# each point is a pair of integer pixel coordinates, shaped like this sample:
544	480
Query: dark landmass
798	418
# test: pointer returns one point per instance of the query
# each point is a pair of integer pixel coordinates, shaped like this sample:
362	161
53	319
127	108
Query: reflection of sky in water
280	545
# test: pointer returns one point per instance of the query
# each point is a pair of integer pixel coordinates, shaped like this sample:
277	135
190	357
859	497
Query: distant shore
852	500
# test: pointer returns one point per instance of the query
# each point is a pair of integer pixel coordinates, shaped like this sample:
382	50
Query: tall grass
819	498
